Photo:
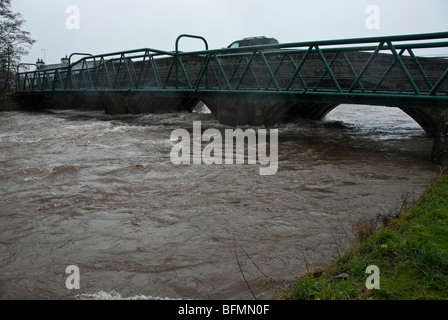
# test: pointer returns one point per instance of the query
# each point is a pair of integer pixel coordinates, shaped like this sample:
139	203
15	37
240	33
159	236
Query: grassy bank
411	253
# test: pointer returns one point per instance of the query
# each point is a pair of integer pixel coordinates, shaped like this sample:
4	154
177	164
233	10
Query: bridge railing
385	67
93	72
403	69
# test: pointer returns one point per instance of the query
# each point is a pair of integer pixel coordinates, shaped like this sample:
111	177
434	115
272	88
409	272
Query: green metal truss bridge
398	71
258	85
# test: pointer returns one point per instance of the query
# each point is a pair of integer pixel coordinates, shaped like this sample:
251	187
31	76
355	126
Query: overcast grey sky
114	25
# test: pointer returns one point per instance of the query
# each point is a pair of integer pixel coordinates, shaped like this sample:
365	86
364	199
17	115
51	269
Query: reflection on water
82	188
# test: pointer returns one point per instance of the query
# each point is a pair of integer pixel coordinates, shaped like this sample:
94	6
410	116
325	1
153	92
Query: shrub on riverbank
411	253
7	103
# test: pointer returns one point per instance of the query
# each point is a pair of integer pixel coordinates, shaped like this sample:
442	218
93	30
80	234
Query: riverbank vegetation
411	253
7	103
14	43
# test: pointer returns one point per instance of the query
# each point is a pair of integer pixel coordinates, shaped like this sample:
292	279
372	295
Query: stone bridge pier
439	151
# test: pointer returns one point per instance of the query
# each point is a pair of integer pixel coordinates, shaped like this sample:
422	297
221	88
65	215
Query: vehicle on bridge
253	41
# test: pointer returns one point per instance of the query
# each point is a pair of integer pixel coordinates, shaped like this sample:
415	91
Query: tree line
14	43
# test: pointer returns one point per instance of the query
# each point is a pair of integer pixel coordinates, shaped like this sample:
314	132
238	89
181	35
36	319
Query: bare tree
14	43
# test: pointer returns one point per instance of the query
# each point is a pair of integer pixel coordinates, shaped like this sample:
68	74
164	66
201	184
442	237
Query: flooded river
100	192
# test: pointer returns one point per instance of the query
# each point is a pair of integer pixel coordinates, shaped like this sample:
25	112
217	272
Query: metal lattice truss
397	71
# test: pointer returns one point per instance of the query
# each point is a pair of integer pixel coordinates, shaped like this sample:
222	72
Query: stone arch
317	111
426	118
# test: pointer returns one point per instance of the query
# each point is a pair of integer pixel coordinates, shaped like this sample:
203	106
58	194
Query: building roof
42	66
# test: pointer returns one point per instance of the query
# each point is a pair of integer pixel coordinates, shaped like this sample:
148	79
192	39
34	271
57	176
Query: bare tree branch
14	43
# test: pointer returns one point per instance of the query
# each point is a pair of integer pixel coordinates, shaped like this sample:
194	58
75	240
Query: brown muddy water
100	192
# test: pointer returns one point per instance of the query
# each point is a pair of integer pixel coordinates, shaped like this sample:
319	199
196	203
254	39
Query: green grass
411	253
